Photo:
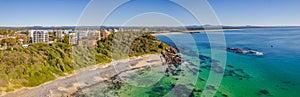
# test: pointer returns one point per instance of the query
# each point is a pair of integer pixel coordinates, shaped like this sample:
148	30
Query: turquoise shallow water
275	74
277	71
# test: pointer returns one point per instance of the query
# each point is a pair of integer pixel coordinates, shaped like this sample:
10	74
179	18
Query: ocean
274	74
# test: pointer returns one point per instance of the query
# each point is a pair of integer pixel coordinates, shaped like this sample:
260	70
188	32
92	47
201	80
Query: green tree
9	42
26	32
66	39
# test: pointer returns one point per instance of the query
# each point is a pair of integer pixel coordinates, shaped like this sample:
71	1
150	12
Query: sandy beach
66	85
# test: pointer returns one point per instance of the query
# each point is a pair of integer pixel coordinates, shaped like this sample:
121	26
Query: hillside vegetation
41	62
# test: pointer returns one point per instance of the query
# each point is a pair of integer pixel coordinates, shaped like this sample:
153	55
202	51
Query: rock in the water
264	92
210	87
230	66
224	95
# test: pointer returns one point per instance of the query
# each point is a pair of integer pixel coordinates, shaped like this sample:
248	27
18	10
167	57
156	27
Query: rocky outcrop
244	51
173	60
172	57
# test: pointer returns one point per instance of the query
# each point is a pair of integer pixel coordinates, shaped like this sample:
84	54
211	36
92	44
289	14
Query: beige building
73	38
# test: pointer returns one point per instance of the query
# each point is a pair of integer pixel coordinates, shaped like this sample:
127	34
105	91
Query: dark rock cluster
198	92
238	73
173	61
210	87
204	58
288	83
114	83
195	71
215	67
173	71
284	84
244	51
181	91
224	95
264	92
171	56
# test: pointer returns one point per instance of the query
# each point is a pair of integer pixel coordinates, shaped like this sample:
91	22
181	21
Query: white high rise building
39	36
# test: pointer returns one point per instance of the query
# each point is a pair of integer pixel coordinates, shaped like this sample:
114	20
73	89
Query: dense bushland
42	62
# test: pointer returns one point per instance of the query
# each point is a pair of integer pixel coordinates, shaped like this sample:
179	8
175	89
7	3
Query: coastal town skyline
18	13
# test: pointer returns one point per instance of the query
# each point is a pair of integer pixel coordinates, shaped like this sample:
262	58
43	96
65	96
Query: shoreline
72	82
85	69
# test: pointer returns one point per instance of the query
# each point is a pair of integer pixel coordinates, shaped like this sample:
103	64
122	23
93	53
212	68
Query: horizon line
152	26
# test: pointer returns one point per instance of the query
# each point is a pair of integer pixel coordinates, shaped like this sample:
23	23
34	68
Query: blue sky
257	12
230	12
40	12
